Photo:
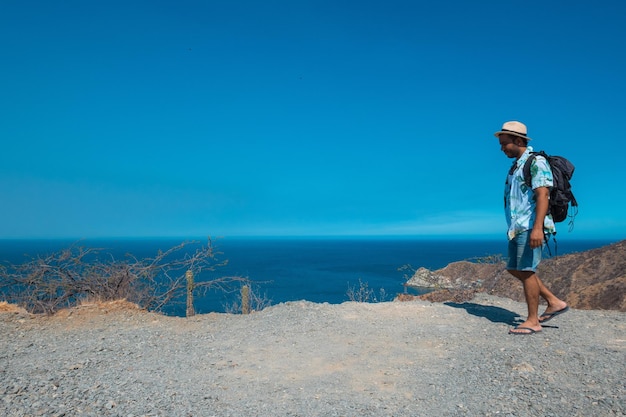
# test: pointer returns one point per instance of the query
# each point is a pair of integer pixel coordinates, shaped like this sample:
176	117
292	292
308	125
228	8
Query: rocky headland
591	280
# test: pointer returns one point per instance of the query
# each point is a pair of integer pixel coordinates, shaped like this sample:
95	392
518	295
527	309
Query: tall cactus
190	287
245	299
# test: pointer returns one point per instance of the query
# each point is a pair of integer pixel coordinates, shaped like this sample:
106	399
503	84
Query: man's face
509	146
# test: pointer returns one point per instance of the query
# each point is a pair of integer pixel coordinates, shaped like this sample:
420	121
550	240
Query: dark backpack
561	196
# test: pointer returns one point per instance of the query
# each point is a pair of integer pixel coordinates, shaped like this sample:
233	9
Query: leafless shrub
364	294
62	279
256	301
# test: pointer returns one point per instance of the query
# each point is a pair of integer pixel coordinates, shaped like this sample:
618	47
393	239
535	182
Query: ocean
290	269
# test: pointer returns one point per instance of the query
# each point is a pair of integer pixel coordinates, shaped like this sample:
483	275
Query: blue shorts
521	256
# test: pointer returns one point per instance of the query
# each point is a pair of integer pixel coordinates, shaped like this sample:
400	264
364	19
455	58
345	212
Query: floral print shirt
519	199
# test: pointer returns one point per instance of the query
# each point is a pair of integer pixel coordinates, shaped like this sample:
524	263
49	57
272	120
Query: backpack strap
527	176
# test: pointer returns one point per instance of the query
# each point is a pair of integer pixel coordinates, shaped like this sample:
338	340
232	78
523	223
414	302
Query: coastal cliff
591	280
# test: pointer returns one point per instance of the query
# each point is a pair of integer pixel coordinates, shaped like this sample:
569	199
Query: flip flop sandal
530	331
549	316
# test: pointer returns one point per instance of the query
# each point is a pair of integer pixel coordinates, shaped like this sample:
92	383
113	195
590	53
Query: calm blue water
313	269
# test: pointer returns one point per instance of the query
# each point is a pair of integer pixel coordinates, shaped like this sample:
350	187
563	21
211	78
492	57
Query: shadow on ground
491	313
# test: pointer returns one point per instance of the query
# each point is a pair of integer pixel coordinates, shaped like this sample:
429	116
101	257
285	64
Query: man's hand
542	195
536	238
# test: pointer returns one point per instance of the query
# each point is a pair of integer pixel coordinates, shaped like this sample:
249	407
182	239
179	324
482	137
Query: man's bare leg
554	303
532	292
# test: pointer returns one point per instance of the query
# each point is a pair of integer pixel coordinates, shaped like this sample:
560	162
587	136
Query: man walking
528	221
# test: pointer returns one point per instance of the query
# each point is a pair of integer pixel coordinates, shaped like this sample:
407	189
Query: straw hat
513	128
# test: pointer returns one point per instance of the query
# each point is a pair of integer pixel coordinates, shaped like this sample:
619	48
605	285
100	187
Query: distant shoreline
452	238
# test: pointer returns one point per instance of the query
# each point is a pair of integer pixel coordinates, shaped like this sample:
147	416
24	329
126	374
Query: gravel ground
305	359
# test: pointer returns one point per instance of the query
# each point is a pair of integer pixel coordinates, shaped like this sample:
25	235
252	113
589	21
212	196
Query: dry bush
256	301
65	278
364	294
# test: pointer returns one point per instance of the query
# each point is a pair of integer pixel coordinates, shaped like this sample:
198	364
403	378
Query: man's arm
542	196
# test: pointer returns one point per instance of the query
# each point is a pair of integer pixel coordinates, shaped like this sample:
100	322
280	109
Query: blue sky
195	118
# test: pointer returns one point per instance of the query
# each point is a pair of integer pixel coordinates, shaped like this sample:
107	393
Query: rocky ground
413	358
